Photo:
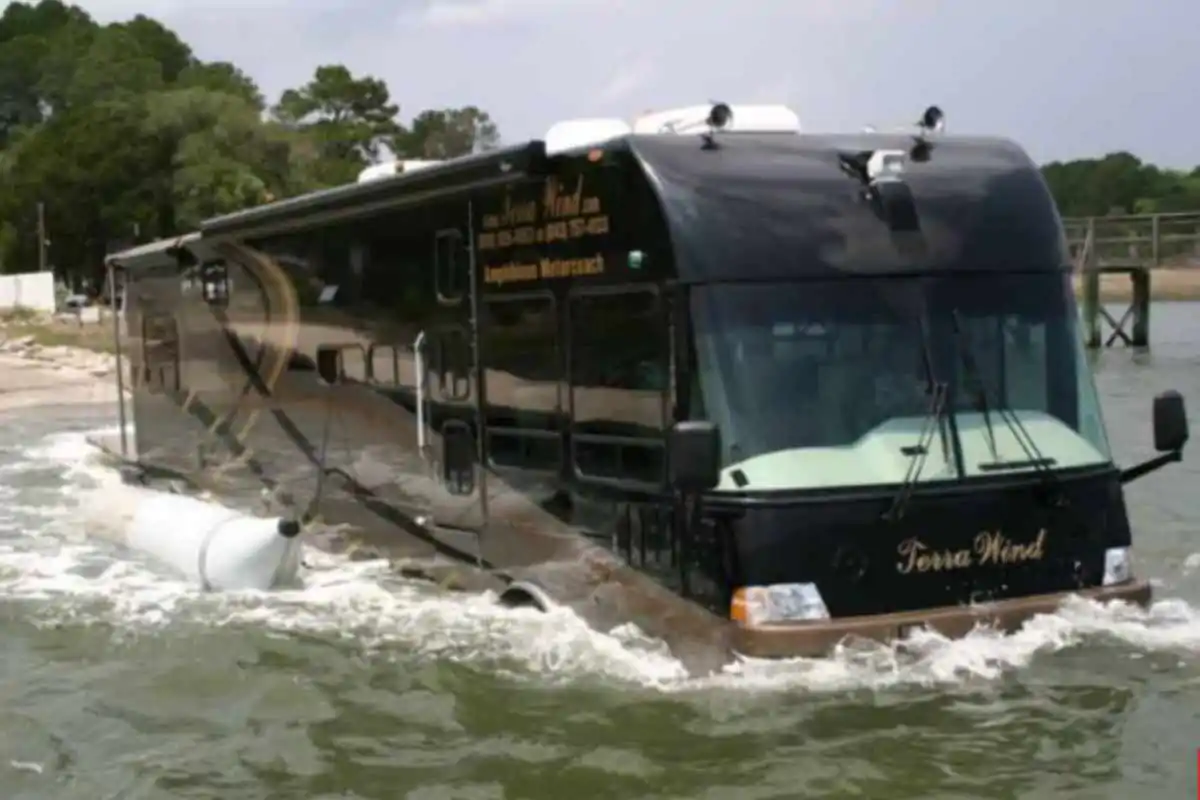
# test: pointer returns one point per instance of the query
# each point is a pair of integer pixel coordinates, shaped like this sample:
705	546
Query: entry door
447	394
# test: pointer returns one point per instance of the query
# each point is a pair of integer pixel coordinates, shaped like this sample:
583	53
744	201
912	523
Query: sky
1066	78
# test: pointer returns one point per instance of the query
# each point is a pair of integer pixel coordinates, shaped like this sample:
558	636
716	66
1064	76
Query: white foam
64	576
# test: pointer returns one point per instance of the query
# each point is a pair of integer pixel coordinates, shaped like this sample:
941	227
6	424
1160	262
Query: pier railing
1136	241
1136	246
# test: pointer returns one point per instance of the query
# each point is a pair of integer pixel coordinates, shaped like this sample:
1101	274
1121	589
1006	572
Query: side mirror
329	364
694	456
1170	422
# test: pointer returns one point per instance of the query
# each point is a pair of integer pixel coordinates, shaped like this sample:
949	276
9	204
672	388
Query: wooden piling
1134	245
1140	304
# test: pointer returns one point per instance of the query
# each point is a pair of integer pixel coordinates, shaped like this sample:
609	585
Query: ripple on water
56	576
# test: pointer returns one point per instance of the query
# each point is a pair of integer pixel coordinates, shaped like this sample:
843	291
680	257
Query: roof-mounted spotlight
881	174
933	121
719	116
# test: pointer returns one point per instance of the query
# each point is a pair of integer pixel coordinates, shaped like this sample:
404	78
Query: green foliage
221	76
351	118
449	132
1120	183
124	135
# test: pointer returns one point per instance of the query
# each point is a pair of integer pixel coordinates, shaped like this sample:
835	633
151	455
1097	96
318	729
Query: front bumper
818	638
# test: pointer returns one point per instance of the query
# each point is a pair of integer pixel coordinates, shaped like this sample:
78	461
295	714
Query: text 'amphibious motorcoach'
753	389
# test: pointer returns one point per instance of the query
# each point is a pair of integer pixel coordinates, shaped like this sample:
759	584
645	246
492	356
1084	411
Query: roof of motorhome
775	207
785	207
483	169
142	254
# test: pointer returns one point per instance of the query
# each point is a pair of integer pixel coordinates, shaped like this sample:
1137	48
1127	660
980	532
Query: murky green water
118	682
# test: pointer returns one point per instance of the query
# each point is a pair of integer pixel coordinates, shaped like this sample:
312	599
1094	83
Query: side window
620	381
451	266
160	353
522	366
458	458
451	364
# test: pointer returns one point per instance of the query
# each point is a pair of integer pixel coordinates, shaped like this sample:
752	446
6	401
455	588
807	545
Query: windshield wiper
938	391
934	420
1033	456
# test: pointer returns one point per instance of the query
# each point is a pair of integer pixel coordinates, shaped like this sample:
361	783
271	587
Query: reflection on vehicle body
833	373
752	388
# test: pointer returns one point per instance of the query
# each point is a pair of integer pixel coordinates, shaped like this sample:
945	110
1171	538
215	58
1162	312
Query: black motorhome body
724	386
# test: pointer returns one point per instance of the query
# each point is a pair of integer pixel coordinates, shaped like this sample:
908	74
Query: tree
221	76
448	133
156	41
352	119
1120	183
87	166
27	33
218	155
114	68
120	131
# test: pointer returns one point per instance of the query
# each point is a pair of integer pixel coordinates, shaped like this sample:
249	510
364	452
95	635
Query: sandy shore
32	375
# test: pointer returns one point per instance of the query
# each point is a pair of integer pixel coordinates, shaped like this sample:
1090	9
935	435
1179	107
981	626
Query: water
117	681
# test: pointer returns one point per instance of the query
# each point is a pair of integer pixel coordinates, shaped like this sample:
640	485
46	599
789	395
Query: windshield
823	384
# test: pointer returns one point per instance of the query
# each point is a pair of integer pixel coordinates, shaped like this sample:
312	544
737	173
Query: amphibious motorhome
705	372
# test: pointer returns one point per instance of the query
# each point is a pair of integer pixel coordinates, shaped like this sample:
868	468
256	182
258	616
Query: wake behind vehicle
754	389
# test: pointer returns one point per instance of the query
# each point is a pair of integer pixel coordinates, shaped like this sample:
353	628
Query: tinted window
451	363
831	383
451	265
620	372
522	368
160	352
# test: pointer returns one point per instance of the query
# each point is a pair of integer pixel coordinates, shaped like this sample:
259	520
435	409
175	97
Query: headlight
781	602
1118	567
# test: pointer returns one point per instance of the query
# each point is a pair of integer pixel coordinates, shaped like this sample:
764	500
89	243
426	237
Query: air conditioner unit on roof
575	134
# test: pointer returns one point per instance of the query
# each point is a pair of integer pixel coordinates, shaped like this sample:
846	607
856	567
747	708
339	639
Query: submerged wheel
520	594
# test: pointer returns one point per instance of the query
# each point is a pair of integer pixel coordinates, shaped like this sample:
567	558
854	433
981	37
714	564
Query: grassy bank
57	331
1165	285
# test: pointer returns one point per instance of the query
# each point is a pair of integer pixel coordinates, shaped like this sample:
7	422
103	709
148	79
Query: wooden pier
1134	245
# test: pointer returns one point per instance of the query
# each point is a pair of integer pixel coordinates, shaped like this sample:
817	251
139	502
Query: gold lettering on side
993	547
524	213
557	204
564	214
988	548
510	273
545	269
